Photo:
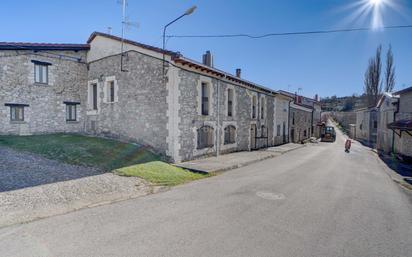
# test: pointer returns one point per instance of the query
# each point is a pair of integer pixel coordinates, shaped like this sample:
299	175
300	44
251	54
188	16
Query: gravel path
33	187
19	170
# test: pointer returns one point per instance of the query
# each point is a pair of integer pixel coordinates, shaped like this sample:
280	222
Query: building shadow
401	167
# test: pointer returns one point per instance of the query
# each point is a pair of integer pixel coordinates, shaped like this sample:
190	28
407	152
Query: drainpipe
394	119
311	124
218	122
289	121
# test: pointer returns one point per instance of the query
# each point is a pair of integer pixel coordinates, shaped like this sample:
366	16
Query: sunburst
373	10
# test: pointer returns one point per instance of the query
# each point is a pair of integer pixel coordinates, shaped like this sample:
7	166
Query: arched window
205	137
230	135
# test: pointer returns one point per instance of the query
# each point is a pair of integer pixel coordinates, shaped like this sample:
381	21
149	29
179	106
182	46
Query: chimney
208	59
238	72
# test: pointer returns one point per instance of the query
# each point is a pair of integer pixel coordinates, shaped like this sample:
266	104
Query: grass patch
160	173
105	154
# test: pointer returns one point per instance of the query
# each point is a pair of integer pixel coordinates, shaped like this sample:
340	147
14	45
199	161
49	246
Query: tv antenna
126	26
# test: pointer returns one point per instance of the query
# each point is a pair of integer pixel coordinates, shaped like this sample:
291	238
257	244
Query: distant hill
345	103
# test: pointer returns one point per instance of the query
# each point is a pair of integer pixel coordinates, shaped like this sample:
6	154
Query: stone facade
367	126
191	119
138	112
281	120
144	95
403	143
43	103
300	123
386	110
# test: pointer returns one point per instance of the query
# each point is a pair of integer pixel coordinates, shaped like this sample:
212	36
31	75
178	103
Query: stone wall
140	111
190	118
300	123
403	145
280	135
46	111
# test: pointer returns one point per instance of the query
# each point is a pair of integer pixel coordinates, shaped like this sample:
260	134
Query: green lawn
160	173
105	154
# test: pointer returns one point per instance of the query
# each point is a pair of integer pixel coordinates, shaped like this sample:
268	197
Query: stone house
386	107
402	125
300	122
182	108
281	120
42	88
367	125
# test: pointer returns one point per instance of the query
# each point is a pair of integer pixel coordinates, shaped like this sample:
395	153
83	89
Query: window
230	102
205	98
293	118
94	96
110	91
16	111
254	107
262	108
205	137
375	124
278	130
230	135
263	131
41	72
304	133
71	111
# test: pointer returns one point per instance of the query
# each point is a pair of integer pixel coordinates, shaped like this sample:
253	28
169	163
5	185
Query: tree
373	83
390	71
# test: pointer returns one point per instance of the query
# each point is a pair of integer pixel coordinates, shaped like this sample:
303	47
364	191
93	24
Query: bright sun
375	2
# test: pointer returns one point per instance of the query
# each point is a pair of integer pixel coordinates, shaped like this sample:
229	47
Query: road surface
315	201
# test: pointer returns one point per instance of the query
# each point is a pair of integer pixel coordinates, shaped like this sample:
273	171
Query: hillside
345	103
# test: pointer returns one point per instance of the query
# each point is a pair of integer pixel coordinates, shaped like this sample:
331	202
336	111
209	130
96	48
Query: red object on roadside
348	144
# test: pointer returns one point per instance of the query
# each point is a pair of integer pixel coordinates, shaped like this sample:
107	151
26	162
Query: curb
240	165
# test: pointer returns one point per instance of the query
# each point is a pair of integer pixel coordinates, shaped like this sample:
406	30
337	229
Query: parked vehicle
328	134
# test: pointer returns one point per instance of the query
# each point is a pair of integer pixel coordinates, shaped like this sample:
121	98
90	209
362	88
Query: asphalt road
315	201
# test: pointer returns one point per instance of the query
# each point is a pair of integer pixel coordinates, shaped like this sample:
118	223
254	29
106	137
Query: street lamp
188	12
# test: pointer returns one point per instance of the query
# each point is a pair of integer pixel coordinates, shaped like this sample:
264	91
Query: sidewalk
235	160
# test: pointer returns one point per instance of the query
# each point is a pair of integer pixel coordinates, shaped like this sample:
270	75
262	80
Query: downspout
218	121
289	121
394	119
311	124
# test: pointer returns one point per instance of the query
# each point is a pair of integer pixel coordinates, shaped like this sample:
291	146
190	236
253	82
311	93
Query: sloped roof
42	46
403	91
131	42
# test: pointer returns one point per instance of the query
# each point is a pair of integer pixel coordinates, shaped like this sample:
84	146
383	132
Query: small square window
16	113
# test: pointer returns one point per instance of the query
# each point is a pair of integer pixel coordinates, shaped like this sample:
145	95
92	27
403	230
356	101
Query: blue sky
324	64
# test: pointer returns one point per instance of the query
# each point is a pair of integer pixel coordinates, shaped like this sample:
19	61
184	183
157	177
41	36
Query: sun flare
373	10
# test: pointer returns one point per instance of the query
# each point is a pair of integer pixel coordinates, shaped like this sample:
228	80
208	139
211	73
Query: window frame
43	70
205	140
230	102
69	105
262	108
205	100
254	103
229	135
14	107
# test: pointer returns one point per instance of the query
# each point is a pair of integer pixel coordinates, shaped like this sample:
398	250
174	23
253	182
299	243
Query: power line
288	33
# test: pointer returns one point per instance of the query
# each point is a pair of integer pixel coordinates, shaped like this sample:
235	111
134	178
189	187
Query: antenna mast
123	24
